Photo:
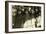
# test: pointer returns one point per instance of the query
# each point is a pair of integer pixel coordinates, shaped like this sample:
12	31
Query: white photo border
10	29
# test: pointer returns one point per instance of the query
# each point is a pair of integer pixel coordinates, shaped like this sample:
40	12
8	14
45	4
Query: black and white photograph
24	16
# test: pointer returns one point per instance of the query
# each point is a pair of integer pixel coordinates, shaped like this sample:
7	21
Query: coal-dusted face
22	14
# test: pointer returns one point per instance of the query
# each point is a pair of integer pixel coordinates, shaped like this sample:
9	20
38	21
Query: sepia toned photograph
24	16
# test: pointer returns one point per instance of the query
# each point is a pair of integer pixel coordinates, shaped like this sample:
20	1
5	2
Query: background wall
2	17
